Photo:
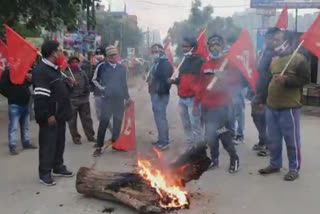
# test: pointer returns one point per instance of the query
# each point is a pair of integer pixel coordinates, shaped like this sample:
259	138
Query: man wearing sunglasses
115	96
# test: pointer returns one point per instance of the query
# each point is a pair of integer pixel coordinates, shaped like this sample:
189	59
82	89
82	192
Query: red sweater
221	93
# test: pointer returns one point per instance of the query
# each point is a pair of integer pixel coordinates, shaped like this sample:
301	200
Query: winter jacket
189	75
221	93
51	93
264	77
16	94
81	91
112	81
161	73
96	79
288	94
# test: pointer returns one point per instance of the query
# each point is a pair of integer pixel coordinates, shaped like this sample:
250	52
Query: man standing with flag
283	102
52	109
187	80
18	110
217	101
258	110
159	89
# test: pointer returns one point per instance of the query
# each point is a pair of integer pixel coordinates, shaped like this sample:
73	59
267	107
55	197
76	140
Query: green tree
48	14
112	29
202	18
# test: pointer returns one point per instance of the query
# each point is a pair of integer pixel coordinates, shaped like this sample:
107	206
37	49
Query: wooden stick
290	60
177	71
215	79
71	74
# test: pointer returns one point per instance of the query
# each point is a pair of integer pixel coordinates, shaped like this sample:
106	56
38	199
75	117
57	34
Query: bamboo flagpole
293	55
177	71
221	69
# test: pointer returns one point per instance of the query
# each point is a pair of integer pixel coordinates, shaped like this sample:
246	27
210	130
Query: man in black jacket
115	96
159	89
18	111
259	100
52	110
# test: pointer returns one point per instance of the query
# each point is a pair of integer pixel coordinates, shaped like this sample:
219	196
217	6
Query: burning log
127	188
152	189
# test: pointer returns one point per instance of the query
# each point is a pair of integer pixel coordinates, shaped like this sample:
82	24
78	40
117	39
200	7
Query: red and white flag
127	139
3	56
168	51
202	44
282	22
242	55
311	38
21	56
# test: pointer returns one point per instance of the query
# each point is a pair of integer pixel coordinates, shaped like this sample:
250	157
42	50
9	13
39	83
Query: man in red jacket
188	77
216	102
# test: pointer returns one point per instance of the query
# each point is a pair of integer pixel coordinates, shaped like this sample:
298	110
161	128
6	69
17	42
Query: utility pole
93	18
296	27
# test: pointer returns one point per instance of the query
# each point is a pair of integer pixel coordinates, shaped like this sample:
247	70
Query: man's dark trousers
111	107
51	147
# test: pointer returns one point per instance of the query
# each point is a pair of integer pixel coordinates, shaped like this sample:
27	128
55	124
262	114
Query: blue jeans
284	124
159	108
259	119
191	121
18	115
238	119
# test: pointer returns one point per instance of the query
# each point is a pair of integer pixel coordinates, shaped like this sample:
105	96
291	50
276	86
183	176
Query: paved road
222	193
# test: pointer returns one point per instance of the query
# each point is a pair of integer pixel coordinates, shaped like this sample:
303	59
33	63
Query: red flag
3	56
168	51
127	139
62	62
282	22
202	47
241	54
21	56
312	38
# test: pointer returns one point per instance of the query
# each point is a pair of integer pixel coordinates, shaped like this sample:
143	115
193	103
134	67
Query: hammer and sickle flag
241	55
127	139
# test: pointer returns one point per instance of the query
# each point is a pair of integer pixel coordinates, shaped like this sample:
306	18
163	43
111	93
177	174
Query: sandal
269	170
291	176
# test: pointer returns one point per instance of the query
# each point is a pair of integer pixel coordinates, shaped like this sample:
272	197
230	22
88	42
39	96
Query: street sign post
290	3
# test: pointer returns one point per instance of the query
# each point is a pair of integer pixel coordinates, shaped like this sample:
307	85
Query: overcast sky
161	14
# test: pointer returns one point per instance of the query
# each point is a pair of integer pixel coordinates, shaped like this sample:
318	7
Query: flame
171	195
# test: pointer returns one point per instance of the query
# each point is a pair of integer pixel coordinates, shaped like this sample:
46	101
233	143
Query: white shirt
47	62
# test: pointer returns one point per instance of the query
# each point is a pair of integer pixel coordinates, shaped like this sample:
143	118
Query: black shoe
47	180
263	153
14	151
162	146
77	141
96	146
30	146
214	164
258	147
92	140
155	142
97	152
234	166
62	172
